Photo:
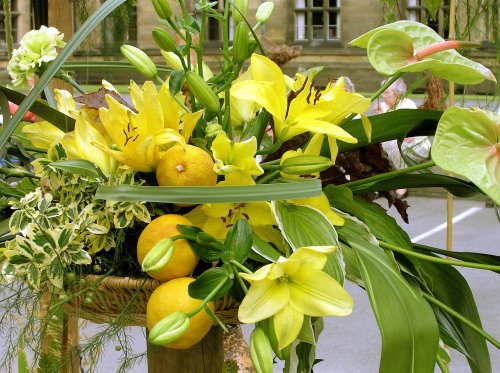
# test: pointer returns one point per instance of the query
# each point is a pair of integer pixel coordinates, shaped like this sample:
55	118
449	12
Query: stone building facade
322	28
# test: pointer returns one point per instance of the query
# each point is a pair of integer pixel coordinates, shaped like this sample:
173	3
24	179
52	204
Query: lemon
173	296
186	166
183	259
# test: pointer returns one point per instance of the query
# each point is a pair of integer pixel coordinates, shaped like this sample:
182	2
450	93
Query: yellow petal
367	126
310	258
326	128
258	275
43	134
170	108
314	293
287	325
264	299
189	121
259	213
65	102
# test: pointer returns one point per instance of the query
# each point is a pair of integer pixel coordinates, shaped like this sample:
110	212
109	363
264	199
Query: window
15	18
214	26
317	20
119	28
415	11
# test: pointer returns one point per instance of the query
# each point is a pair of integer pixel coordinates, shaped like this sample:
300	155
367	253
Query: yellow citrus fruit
186	166
173	296
183	259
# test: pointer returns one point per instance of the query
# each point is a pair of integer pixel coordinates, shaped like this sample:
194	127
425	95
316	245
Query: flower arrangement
213	184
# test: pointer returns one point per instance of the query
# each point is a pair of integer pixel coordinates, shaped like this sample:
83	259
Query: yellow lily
233	156
291	288
320	203
139	139
303	113
242	111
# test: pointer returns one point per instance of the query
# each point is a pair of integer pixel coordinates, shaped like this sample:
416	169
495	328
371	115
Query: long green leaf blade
216	194
54	67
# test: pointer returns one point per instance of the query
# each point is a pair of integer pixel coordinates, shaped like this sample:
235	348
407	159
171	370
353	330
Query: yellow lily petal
322	204
367	126
264	299
189	121
316	294
315	144
258	275
287	325
259	213
170	108
334	148
115	120
310	258
136	95
150	116
264	69
43	134
65	102
235	156
320	126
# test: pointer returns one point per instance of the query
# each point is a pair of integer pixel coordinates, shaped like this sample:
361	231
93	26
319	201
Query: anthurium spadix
292	116
467	143
291	288
407	46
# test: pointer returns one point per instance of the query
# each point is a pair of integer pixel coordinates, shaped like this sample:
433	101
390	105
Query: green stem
268	177
270	167
433	259
70	80
442	366
17	172
208	298
386	85
176	29
215	318
389	175
271	149
241	266
201	35
463	319
241	282
8	27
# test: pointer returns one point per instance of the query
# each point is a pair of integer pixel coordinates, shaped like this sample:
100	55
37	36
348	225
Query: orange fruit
186	166
173	296
183	259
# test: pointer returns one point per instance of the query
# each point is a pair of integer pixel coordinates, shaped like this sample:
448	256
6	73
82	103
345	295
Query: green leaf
205	246
8	190
391	125
264	249
176	81
239	240
467	143
449	64
79	167
55	65
450	287
216	194
207	281
457	187
22	360
407	324
315	230
342	198
433	7
41	109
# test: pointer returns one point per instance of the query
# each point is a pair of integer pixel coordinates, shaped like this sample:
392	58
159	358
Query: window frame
421	13
308	10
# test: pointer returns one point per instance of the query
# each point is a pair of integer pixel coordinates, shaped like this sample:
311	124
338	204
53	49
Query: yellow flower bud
240	44
139	60
305	164
264	12
169	329
202	92
158	257
164	40
261	351
162	8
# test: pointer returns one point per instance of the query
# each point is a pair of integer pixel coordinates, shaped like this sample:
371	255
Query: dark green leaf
239	240
450	287
264	249
392	125
216	194
79	167
433	7
176	81
208	281
342	198
8	190
458	187
407	324
58	119
209	250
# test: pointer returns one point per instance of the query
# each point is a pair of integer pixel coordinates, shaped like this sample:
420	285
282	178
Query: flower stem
241	266
74	84
386	85
268	177
433	259
463	319
241	282
389	175
208	298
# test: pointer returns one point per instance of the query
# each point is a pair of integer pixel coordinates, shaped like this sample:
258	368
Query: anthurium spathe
139	138
291	288
294	116
231	156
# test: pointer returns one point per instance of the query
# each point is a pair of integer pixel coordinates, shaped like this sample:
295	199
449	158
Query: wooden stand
204	357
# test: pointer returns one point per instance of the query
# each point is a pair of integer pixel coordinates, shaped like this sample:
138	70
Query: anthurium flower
268	88
233	156
291	288
139	139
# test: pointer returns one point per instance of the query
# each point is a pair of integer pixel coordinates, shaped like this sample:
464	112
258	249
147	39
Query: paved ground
352	344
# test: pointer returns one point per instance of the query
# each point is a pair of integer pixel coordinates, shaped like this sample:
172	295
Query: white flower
37	48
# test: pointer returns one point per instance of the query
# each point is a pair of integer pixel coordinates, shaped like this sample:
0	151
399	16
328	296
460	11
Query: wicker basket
127	297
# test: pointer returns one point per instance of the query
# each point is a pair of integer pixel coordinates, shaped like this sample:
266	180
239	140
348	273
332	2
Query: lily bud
139	60
264	12
162	8
213	129
268	326
169	329
305	164
261	351
159	256
242	6
240	43
202	92
164	40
